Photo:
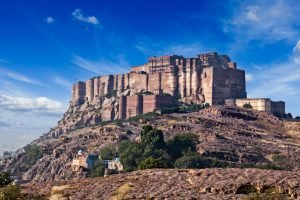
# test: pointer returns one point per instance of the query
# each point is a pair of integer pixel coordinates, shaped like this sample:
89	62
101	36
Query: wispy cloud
50	20
151	48
268	21
62	81
78	15
102	67
19	77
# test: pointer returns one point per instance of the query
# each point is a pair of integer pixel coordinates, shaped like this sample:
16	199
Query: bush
150	163
5	179
97	169
182	144
247	106
108	153
152	138
130	155
198	162
32	154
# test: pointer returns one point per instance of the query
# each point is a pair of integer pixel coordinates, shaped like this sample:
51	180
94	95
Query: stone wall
131	106
227	83
260	104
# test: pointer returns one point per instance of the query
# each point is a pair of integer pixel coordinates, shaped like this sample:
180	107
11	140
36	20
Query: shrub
197	161
97	169
152	138
150	163
247	106
32	154
181	144
108	153
5	179
130	155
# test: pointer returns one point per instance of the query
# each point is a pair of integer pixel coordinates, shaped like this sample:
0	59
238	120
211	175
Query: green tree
32	154
196	161
152	138
5	179
181	144
97	169
130	155
150	163
108	153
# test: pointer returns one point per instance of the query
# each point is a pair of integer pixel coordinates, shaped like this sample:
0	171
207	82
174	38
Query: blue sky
47	45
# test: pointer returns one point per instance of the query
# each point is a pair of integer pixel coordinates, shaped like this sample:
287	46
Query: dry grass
121	192
57	192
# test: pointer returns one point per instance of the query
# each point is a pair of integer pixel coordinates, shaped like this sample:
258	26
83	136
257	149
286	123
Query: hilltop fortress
166	80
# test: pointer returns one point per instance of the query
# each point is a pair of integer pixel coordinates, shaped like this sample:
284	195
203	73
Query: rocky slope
178	184
230	134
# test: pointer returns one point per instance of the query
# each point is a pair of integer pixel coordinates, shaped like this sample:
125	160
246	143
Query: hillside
233	135
178	184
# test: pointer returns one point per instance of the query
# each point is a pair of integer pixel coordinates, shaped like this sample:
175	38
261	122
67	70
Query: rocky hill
233	135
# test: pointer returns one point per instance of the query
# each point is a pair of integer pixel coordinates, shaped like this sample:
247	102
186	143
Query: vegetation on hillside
9	191
247	106
32	154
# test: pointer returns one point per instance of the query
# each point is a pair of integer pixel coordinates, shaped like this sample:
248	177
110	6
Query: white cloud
78	15
102	67
297	47
251	13
49	20
249	77
268	21
40	105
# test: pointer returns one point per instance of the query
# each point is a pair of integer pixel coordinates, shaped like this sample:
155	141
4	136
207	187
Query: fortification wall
138	81
154	82
278	107
78	91
134	105
207	84
260	104
227	83
169	83
90	90
150	103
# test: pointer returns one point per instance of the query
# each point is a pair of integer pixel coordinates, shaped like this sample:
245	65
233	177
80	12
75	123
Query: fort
208	78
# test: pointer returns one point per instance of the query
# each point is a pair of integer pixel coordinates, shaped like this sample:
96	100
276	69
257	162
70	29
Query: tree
97	169
130	155
196	161
247	106
5	179
108	153
182	144
32	154
152	138
151	162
